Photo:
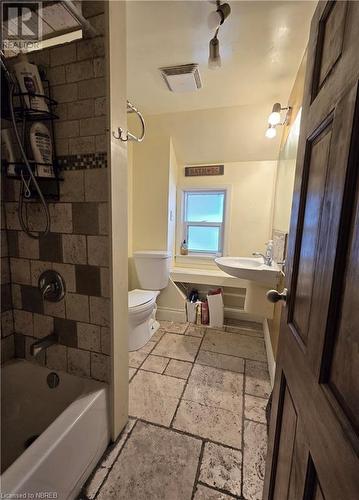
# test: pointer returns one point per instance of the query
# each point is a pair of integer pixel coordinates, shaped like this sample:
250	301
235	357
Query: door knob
274	296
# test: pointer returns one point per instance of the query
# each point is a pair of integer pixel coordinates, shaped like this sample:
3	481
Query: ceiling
261	44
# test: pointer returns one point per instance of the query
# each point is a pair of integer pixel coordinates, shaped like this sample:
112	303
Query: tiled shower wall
77	246
7	320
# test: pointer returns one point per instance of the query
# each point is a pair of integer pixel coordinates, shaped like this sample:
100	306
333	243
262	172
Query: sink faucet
268	257
42	344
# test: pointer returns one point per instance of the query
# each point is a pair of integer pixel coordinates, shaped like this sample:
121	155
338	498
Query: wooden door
313	442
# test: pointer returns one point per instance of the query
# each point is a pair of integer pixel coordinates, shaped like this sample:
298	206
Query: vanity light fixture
271	132
274	119
215	20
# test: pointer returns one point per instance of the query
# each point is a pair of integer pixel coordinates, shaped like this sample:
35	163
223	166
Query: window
203	221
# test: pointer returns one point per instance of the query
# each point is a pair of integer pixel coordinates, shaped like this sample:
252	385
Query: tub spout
42	344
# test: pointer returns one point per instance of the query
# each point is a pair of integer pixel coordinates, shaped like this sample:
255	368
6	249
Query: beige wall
217	135
151	167
250	188
172	192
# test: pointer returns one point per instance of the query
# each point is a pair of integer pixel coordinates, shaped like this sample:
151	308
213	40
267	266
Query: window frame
221	225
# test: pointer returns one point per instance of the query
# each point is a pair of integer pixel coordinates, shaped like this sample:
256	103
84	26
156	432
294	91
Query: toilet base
142	334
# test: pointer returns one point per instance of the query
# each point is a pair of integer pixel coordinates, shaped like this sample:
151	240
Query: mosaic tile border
82	161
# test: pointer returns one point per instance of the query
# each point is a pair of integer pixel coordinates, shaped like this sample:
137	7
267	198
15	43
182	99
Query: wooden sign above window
204	170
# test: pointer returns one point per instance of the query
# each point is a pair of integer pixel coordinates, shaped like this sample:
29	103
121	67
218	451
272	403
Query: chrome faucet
268	257
42	344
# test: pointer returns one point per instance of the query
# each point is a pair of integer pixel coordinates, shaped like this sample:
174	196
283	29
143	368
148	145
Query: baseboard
269	351
233	313
168	314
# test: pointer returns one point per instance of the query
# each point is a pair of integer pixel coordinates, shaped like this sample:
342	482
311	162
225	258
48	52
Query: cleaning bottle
184	248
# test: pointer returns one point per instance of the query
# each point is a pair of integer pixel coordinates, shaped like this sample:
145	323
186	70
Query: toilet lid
140	297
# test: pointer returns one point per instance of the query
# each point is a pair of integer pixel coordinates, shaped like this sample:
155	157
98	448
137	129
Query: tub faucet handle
51	286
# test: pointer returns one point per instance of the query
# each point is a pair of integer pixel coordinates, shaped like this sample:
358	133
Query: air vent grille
183	78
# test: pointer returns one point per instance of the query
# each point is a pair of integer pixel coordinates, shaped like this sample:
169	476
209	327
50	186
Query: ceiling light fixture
214	59
215	20
274	119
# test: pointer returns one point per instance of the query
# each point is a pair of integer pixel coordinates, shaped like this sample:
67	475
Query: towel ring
127	136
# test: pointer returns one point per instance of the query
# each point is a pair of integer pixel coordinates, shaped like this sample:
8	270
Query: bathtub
71	421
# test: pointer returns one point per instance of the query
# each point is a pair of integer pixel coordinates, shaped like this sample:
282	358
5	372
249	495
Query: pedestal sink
248	268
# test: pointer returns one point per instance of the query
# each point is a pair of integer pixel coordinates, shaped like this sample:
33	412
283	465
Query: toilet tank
152	268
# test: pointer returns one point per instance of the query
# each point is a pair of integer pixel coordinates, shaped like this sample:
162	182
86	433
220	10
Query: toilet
152	268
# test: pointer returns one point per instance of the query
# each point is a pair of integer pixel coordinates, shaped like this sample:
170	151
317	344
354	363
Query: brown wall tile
78	362
63	54
51	247
72	188
85	218
98	250
28	247
96	87
56	309
100	311
79	145
43	325
7	348
56	357
74	248
23	322
90	47
20	271
81	70
82	109
67	272
61	217
96	184
31	299
100	367
89	337
67	331
105	340
77	307
88	280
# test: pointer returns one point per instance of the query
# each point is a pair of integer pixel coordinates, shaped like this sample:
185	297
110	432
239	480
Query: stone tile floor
197	427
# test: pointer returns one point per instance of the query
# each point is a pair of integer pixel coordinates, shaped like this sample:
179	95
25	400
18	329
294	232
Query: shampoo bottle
30	83
41	145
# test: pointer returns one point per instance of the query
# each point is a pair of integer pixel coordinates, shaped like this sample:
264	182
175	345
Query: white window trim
180	230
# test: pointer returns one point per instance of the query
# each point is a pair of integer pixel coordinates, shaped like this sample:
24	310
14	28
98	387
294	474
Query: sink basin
248	268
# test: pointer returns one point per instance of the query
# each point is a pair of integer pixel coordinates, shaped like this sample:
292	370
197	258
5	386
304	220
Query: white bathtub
72	421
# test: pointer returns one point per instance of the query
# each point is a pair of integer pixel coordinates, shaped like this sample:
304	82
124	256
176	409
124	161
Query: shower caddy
50	186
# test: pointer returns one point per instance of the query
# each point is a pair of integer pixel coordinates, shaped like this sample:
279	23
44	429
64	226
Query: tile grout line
220	490
243	411
198	471
115	460
186	382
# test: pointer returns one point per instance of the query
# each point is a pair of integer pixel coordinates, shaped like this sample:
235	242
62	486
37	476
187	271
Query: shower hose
25	189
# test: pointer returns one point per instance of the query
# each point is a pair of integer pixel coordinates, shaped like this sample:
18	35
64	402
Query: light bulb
271	132
274	118
215	62
214	59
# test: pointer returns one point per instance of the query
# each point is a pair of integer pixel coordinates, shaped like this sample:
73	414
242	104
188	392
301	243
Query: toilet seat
141	299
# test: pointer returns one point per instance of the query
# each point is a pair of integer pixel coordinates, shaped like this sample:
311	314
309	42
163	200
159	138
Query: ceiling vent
184	78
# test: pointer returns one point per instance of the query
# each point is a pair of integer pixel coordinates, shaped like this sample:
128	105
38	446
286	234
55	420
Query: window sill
196	260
